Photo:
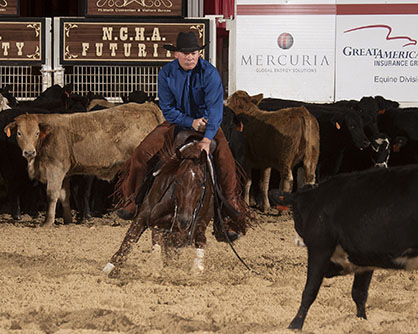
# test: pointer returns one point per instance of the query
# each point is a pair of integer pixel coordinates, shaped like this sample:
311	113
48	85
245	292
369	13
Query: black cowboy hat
186	42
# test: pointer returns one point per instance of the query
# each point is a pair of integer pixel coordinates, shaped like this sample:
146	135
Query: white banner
377	55
286	56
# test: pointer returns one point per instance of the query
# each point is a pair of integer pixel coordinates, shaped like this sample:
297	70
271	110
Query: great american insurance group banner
326	50
287	49
377	51
92	41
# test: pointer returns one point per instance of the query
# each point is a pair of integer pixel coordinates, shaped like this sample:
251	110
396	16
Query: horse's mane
171	160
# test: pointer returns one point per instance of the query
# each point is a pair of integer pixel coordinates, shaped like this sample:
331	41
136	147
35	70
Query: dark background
49	8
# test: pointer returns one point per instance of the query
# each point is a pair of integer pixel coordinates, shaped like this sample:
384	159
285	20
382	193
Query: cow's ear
256	99
44	130
337	120
9	129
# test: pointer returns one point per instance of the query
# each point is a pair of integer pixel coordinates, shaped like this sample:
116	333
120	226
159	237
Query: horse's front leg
119	258
200	243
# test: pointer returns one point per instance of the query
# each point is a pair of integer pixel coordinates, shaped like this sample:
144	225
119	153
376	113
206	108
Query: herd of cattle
350	215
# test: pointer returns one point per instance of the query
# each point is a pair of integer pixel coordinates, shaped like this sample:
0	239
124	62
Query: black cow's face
380	152
354	125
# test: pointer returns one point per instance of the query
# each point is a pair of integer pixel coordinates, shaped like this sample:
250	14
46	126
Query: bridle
191	227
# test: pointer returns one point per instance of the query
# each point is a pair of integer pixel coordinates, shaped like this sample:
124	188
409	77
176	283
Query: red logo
388	36
285	41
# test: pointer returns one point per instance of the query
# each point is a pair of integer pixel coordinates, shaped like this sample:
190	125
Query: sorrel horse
179	203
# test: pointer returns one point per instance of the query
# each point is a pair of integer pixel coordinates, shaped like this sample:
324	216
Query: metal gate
112	81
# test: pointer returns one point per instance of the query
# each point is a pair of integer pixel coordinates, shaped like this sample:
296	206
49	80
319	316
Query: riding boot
137	167
235	220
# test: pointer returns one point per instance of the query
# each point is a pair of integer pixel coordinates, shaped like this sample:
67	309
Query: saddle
184	136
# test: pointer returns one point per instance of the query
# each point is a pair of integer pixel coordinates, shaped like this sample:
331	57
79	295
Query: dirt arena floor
51	281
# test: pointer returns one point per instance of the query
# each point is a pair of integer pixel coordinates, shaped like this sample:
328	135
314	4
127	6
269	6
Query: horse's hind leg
132	236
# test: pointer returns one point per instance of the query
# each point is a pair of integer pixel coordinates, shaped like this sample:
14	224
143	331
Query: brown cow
57	146
280	139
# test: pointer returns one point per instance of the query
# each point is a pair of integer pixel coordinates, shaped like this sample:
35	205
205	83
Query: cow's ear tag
381	111
337	125
42	135
8	132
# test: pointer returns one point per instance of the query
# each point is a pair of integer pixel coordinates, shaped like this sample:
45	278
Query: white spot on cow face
4	103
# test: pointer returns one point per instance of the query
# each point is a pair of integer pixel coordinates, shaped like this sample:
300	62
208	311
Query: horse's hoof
17	217
124	214
232	236
108	268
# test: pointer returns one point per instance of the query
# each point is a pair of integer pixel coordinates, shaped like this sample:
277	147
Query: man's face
187	61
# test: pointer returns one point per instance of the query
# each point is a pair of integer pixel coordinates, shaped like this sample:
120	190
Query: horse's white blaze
193	174
108	268
198	261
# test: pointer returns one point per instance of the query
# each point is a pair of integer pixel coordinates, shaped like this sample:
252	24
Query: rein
217	194
192	227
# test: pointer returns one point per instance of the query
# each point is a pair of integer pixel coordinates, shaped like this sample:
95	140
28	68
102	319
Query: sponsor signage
135	8
280	57
377	55
92	41
22	40
9	7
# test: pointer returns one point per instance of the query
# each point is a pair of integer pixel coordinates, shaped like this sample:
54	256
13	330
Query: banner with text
92	41
285	50
22	40
377	55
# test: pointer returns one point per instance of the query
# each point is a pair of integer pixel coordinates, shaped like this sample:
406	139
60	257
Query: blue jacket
205	100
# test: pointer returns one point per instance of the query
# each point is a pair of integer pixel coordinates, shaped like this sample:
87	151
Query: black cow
340	128
376	155
401	125
138	96
13	167
353	223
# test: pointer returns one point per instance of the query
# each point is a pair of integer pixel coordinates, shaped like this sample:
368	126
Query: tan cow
280	139
57	146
